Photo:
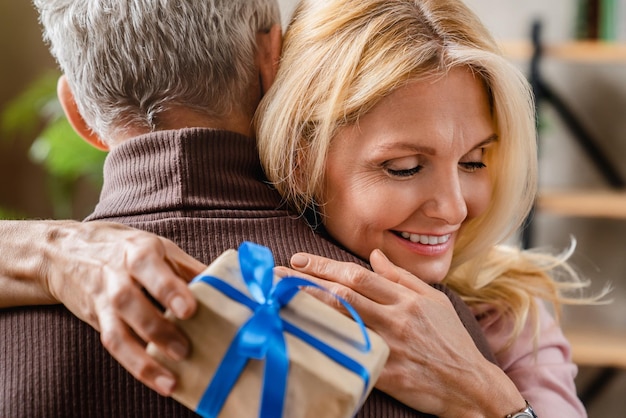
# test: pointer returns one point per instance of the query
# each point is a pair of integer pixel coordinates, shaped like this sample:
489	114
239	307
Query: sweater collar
192	168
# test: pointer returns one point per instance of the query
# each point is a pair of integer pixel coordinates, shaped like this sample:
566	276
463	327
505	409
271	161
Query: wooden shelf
584	203
598	348
580	51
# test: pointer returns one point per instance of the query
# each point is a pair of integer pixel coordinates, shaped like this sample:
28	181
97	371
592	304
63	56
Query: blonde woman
399	129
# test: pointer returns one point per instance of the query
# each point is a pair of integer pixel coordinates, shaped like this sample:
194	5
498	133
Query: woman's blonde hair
341	57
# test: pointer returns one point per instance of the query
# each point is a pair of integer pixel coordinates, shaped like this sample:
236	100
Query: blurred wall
23	57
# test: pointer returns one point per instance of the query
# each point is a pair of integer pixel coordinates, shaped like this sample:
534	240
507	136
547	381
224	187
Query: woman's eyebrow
491	139
420	149
423	149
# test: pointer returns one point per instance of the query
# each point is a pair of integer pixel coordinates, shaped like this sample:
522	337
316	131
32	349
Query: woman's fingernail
381	254
299	260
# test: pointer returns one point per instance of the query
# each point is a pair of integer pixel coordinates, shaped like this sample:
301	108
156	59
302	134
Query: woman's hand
434	365
101	272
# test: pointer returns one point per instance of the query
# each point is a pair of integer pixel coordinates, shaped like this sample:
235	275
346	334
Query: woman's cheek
478	196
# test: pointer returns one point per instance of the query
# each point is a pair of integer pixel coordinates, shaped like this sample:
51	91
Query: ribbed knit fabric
202	189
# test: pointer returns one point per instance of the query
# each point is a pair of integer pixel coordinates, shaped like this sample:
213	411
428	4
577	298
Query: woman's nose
446	200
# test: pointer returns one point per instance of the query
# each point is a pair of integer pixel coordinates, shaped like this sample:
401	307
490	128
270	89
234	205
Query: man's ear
269	46
66	97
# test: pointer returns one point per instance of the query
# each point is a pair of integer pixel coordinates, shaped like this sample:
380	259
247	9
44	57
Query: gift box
263	348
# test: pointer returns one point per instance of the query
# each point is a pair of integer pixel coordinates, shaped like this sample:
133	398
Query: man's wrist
24	270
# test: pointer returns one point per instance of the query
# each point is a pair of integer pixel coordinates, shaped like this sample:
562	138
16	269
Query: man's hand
101	272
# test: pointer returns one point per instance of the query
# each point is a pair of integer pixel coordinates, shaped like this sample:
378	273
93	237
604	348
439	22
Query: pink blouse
544	377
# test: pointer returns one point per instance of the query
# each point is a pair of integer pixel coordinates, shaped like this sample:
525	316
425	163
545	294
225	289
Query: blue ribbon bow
261	337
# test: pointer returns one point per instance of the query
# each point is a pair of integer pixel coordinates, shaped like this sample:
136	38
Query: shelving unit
609	204
590	347
598	348
578	51
587	351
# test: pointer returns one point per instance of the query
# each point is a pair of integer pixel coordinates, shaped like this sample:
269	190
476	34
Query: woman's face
410	173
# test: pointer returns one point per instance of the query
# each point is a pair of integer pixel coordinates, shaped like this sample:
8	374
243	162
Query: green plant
37	114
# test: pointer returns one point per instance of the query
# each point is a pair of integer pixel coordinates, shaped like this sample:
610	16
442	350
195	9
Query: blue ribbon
262	336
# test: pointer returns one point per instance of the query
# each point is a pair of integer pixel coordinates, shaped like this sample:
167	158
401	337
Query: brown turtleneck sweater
202	189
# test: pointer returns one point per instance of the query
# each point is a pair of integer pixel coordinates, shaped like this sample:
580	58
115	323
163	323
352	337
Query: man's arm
99	271
23	245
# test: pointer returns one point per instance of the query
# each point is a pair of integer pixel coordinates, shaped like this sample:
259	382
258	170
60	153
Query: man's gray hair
128	60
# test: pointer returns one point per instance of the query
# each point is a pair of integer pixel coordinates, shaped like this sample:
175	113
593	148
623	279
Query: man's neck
180	118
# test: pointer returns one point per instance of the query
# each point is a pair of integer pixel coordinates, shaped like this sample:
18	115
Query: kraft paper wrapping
316	385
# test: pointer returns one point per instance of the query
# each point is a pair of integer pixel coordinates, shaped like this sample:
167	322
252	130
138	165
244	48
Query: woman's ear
269	46
66	97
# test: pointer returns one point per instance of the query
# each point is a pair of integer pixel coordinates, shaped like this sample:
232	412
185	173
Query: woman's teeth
425	239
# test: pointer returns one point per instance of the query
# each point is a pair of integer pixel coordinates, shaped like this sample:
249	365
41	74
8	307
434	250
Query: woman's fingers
330	293
381	265
348	276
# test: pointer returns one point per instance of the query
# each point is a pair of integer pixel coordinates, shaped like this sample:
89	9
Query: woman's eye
403	167
408	172
472	166
473	161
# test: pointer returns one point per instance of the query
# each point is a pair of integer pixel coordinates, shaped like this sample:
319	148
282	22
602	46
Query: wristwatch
524	413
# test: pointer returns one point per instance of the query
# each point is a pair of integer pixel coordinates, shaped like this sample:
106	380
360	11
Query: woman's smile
426	245
425	239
